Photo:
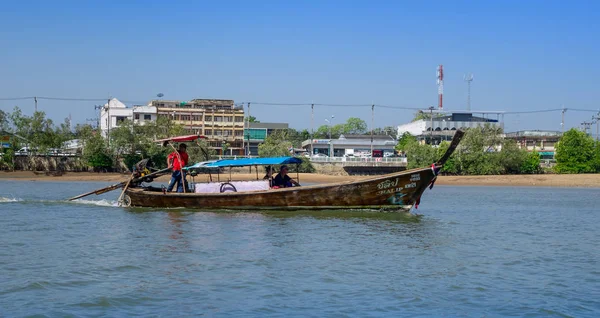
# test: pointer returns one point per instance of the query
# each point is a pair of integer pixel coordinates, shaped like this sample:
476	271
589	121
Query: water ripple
504	255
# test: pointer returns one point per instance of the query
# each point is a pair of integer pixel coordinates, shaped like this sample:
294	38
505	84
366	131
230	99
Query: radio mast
440	83
469	78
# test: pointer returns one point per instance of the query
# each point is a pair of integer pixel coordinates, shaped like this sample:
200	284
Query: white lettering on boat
388	191
387	184
411	185
415	177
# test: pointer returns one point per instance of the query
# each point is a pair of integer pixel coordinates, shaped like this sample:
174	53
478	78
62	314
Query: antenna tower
440	83
468	78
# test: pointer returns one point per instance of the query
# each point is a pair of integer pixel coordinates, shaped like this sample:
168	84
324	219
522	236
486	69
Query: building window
218	133
219	118
185	117
146	117
208	118
239	133
228	119
120	120
239	119
197	117
208	132
136	116
227	132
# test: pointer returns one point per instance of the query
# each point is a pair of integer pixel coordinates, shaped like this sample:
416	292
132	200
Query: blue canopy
249	162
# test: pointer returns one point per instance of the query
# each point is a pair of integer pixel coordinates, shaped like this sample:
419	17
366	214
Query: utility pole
468	78
312	128
109	121
248	153
596	119
372	127
35	99
586	126
597	122
431	131
99	115
330	122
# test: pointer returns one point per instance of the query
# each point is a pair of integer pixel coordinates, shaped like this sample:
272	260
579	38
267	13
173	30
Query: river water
473	252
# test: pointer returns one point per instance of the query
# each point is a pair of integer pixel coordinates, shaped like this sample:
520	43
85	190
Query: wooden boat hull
396	192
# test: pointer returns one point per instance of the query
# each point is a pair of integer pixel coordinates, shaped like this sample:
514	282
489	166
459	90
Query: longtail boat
399	191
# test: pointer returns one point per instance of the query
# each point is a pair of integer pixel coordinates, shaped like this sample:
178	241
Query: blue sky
525	55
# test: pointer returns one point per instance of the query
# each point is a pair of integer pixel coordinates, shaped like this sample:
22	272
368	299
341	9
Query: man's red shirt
177	165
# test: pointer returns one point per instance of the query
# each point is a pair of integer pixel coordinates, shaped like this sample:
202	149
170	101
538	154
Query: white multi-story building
115	112
112	115
144	114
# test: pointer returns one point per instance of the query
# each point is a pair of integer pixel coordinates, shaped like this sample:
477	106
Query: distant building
144	114
433	131
219	120
112	115
352	145
256	133
542	141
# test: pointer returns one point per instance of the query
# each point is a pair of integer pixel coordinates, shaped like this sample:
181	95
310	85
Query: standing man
176	161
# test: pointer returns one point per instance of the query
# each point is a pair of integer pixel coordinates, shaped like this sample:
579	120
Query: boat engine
141	169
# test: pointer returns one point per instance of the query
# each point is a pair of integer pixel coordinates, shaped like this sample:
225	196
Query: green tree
3	121
354	126
531	164
388	130
512	159
419	156
405	140
200	151
37	131
297	137
575	153
96	152
252	119
478	151
322	132
596	161
426	115
275	145
451	165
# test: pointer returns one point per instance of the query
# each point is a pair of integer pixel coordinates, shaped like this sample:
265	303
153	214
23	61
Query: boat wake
103	202
8	200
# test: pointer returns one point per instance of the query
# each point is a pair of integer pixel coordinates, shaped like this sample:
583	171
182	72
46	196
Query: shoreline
539	180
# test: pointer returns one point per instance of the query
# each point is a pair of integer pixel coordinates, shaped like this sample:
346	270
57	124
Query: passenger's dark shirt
282	181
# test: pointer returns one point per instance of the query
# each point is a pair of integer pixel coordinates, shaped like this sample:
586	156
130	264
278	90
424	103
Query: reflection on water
318	214
512	252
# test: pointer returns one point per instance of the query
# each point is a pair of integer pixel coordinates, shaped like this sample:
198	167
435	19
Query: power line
16	98
71	99
536	111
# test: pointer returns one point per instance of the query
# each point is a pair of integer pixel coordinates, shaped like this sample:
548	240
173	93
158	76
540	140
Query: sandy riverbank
547	180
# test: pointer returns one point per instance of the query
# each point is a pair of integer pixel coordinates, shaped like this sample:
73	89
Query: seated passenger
269	175
282	180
